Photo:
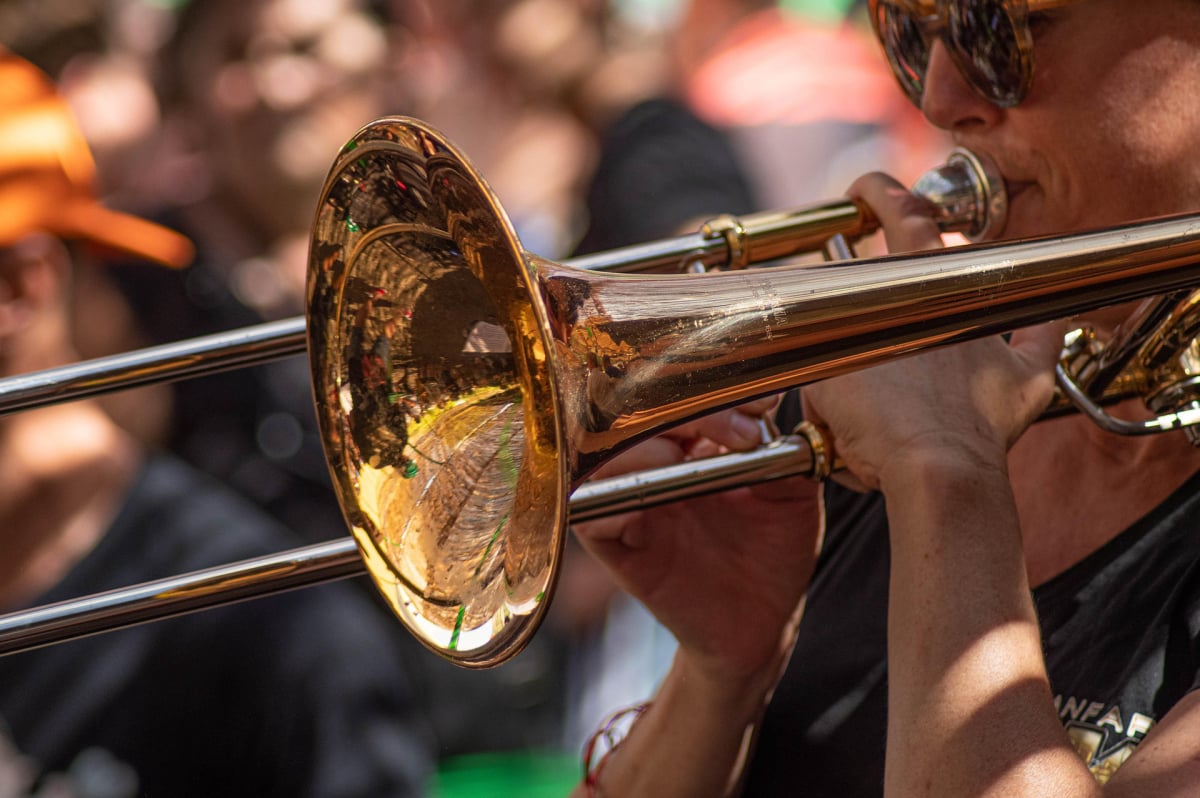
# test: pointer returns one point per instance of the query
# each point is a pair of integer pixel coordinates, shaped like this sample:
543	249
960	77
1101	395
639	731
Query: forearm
691	741
970	709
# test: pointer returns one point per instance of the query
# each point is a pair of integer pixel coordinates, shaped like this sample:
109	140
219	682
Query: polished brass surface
966	192
1154	354
431	341
467	387
365	356
429	366
337	559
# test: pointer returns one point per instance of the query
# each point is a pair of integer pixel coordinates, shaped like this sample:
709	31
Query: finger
653	453
907	220
843	474
740	428
1040	346
761	407
1039	349
599	536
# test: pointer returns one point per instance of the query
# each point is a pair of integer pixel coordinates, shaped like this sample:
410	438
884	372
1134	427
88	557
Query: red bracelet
611	733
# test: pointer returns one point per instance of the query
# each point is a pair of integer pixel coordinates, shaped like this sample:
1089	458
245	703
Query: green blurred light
821	10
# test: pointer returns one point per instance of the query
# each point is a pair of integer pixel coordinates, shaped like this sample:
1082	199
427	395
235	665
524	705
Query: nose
949	101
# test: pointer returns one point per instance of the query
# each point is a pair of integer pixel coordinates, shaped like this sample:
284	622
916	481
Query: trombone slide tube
25	630
315	564
156	364
263	343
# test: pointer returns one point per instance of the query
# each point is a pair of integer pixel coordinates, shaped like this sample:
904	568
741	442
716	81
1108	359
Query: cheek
1142	129
1113	122
1108	163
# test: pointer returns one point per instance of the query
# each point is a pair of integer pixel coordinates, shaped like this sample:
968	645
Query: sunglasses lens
985	40
906	47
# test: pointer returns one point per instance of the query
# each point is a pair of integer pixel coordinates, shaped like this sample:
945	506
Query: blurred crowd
598	123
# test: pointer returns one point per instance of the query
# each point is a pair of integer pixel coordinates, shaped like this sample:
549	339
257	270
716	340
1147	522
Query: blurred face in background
275	87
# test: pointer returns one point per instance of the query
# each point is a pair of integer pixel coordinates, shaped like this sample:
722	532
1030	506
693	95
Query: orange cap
48	177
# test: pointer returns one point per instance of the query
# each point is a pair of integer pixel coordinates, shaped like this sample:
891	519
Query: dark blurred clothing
660	169
303	694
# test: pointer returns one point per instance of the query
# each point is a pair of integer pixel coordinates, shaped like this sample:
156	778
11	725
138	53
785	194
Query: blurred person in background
100	52
300	695
257	97
501	79
799	87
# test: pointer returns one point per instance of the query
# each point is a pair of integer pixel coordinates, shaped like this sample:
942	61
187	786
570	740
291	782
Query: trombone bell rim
426	335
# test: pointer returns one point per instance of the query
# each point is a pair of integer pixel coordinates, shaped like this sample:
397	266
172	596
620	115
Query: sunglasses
989	41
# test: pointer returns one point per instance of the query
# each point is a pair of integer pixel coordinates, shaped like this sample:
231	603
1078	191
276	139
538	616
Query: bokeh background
597	122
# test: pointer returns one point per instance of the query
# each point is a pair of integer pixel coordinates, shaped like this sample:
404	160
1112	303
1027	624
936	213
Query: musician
297	695
1012	608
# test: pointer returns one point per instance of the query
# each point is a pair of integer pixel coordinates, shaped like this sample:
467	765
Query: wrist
699	724
951	511
737	696
949	465
605	741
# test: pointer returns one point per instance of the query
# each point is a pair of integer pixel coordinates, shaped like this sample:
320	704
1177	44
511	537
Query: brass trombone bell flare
431	359
434	363
965	191
466	387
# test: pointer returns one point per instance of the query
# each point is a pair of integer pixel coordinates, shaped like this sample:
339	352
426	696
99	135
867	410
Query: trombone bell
464	387
430	366
445	402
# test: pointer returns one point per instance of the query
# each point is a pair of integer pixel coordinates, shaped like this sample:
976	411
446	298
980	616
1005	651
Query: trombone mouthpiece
968	191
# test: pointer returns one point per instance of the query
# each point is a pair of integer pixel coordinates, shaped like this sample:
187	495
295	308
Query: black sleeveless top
1120	632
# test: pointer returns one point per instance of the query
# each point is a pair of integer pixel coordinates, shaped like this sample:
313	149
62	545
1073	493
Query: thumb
1041	346
1039	349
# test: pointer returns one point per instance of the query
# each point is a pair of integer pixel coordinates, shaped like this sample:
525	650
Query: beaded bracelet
612	733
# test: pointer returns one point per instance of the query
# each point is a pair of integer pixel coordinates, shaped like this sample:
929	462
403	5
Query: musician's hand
961	406
968	402
725	573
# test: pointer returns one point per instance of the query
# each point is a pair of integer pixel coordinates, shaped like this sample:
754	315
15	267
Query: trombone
966	192
465	388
